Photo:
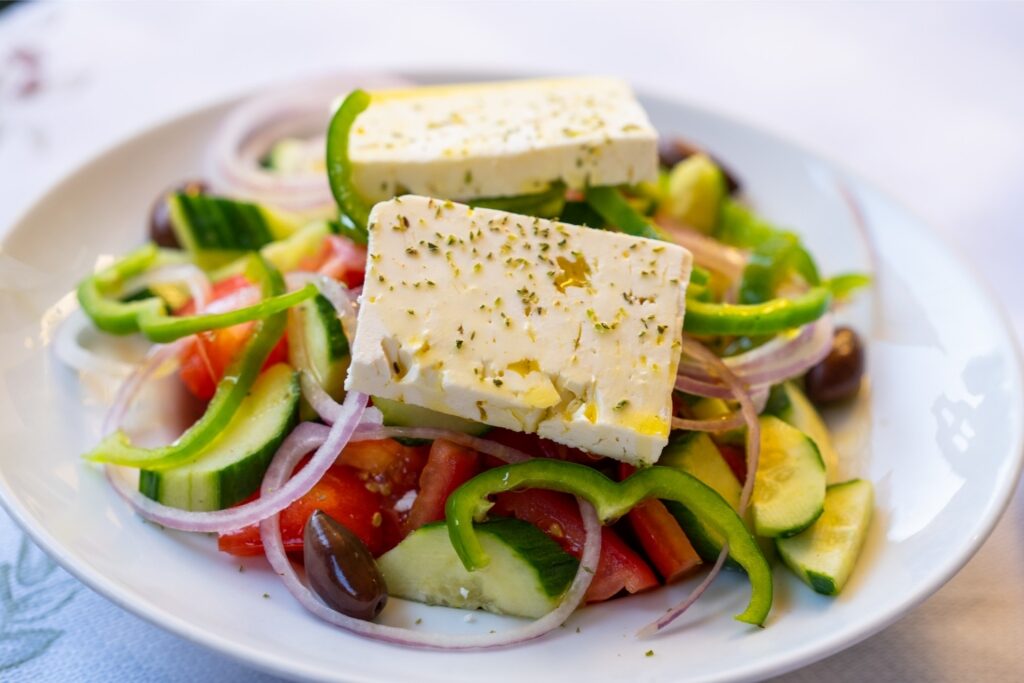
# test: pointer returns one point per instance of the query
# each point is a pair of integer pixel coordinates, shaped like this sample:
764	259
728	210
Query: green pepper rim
770	317
611	500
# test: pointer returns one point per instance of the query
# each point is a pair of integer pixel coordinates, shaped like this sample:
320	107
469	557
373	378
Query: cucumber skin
819	582
768	425
220	224
237	481
553	568
398	414
337	342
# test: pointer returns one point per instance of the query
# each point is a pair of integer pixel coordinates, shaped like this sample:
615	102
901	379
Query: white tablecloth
926	100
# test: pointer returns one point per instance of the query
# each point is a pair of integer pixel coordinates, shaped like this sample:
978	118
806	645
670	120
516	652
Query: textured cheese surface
501	139
523	323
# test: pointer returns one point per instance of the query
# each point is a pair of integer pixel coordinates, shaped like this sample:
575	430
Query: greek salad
492	346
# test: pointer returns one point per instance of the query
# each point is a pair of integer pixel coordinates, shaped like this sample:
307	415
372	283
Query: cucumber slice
789	489
695	453
526	577
217	230
398	414
284	254
790	404
824	555
318	344
231	468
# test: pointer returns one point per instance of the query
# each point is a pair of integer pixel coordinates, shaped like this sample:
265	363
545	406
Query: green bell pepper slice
339	167
611	500
96	295
117	449
609	203
548	203
769	317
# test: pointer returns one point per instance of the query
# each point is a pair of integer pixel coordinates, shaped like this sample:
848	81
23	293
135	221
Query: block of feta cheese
519	322
501	139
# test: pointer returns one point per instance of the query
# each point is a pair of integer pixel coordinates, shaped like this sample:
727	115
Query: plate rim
786	661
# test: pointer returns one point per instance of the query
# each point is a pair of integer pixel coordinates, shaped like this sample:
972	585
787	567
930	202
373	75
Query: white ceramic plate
939	432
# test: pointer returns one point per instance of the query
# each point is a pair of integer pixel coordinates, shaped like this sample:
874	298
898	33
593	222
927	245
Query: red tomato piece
736	458
339	258
390	468
662	539
341	493
558	516
207	355
448	467
539	447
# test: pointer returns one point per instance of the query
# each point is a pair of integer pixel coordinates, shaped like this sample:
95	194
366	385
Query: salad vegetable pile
496	348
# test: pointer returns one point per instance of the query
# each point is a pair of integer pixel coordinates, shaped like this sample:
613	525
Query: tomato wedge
448	467
736	458
620	568
662	539
339	258
205	356
341	493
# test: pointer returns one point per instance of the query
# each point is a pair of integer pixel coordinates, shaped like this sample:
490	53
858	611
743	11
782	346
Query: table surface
923	99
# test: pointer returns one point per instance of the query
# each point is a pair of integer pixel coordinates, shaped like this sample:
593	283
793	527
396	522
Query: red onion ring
714	424
270	533
273	499
249	131
129	389
67	345
190	275
715	366
707	252
772	363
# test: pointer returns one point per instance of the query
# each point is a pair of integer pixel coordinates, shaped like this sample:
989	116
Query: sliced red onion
714	424
707	252
715	367
248	133
774	362
670	616
188	274
129	389
273	499
67	344
270	533
324	405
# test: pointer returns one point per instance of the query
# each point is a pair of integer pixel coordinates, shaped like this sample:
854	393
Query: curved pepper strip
117	449
609	203
611	500
756	319
548	203
339	168
150	317
95	293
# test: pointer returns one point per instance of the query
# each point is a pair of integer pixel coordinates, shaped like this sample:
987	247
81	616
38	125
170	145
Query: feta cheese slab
518	322
501	139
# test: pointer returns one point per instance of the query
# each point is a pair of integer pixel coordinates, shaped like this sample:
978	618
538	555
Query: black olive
838	376
160	230
341	569
673	150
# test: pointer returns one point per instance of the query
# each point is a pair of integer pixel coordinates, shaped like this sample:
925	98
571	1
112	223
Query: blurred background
923	99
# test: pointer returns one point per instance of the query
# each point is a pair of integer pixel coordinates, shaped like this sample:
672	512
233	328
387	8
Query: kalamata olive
673	150
838	376
160	230
341	569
